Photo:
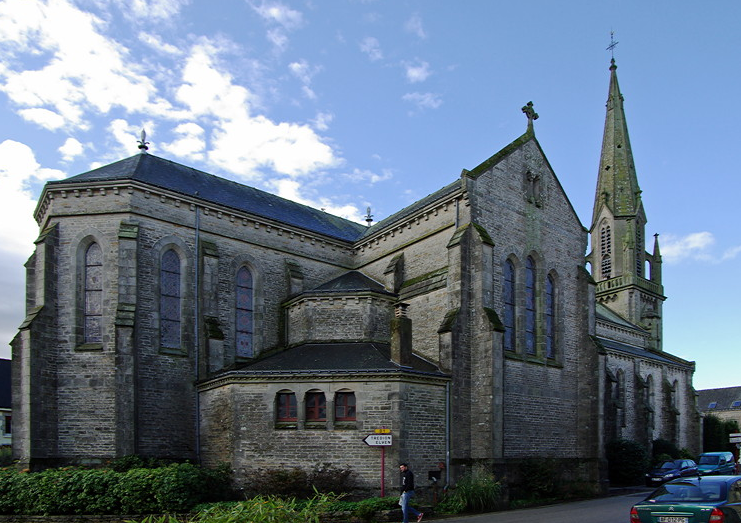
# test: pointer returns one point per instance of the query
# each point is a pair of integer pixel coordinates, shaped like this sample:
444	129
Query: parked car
670	470
706	499
716	463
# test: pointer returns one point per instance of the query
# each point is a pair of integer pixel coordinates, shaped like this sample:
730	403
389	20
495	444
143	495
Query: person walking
407	492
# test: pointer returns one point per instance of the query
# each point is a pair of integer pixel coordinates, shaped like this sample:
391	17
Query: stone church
173	313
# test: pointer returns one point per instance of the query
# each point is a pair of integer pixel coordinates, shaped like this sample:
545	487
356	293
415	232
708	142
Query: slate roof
606	314
723	398
5	396
662	357
351	281
191	182
316	358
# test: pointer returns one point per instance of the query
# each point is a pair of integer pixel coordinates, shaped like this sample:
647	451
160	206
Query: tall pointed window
530	305
605	239
170	300
93	331
550	317
508	291
244	313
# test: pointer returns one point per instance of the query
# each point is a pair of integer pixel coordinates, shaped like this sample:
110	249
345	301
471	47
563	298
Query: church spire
617	185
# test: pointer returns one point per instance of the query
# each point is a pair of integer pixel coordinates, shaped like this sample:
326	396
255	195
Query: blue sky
346	104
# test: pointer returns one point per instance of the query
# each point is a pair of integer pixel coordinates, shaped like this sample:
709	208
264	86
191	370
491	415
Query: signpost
735	437
382	438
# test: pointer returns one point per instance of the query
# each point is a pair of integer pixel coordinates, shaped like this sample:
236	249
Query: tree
715	433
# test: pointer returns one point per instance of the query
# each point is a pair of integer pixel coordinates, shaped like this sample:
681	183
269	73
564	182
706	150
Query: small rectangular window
7	428
316	406
344	406
736	404
713	405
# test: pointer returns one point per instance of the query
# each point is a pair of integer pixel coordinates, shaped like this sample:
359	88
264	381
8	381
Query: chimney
401	336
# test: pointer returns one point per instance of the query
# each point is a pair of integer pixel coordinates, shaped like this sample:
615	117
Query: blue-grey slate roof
336	357
351	281
187	181
638	351
723	398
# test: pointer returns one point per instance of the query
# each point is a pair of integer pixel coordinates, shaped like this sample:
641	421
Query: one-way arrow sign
378	440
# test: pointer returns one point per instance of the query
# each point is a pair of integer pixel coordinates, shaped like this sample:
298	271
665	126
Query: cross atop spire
612	45
531	115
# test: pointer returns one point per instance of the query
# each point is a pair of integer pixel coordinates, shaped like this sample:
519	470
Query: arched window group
315	407
537	328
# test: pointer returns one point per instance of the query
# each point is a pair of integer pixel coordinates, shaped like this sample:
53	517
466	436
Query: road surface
613	509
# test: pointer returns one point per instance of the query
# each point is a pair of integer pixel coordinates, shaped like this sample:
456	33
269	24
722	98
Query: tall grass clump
260	509
477	491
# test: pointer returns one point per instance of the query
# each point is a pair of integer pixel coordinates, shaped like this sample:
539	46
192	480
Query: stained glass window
530	306
170	300
550	318
93	330
244	313
508	291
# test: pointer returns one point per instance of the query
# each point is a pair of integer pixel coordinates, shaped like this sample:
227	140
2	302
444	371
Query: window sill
89	347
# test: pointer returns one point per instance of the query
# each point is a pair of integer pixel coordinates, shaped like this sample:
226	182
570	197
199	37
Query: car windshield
683	492
709	460
668	465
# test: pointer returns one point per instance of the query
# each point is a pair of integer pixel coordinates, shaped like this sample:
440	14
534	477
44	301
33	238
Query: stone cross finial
530	113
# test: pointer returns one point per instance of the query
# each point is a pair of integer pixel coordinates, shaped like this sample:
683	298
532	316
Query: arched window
170	300
344	406
316	406
286	406
93	328
550	317
640	247
606	251
244	313
530	305
508	292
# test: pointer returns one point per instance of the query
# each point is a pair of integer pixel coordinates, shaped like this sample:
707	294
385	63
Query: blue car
698	499
670	470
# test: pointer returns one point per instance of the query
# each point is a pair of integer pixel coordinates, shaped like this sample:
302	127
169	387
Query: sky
350	104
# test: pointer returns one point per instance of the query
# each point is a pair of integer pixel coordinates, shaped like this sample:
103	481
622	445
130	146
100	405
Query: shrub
662	448
6	456
627	462
539	476
175	488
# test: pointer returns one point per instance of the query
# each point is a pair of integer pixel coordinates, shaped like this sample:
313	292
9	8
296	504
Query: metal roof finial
612	45
143	142
368	216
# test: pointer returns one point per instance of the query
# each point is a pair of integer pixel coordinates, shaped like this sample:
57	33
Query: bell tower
628	277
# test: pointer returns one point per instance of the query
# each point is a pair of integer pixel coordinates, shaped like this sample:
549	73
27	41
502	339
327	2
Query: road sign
735	439
735	435
388	431
378	440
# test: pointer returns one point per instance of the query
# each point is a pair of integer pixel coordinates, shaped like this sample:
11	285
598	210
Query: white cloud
279	13
695	246
418	72
371	47
304	72
290	189
158	10
18	170
423	100
156	43
415	27
191	143
369	177
71	149
83	70
243	143
322	121
43	117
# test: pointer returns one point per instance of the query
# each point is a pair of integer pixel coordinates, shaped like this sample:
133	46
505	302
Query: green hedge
172	489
